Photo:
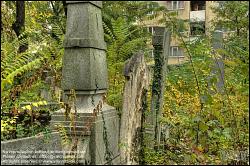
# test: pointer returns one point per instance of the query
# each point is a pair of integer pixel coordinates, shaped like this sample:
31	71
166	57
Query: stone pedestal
84	63
104	138
84	70
98	135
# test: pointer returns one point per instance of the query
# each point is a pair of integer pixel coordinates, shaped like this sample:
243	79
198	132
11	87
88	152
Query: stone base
105	137
98	136
82	122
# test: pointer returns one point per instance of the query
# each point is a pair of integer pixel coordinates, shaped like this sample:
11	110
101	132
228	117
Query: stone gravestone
85	71
218	66
161	43
137	80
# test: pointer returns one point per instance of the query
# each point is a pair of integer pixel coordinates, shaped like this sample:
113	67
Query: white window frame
150	13
172	51
152	30
152	53
177	51
177	5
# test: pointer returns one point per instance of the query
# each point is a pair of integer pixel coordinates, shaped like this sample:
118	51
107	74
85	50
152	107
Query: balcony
193	39
197	16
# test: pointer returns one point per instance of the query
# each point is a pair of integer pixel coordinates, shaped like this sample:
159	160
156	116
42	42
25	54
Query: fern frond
122	46
57	31
120	29
112	51
108	33
130	47
18	71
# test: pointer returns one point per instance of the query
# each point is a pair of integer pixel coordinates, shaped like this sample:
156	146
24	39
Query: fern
13	72
9	50
14	63
59	35
108	33
122	43
120	29
131	47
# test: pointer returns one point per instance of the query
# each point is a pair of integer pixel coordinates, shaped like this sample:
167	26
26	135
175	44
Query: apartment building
198	15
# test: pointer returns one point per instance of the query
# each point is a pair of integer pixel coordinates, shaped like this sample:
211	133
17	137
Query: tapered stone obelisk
84	62
85	71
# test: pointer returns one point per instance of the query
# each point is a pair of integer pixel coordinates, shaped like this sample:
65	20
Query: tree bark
1	20
18	26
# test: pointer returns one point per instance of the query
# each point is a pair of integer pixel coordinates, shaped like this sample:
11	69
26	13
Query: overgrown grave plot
30	140
29	119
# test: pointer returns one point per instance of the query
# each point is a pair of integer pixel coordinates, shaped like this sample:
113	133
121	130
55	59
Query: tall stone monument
84	62
85	71
161	43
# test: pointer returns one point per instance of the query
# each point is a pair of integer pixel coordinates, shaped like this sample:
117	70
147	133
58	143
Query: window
159	30
151	12
198	5
176	51
156	30
151	6
175	5
221	4
152	53
151	30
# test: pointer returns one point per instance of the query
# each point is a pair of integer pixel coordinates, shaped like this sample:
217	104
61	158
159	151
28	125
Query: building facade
198	16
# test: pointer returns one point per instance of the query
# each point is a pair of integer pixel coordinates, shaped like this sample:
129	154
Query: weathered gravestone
219	64
85	72
217	71
137	81
161	43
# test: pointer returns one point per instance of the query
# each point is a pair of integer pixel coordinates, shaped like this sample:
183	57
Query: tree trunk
18	26
1	20
65	8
